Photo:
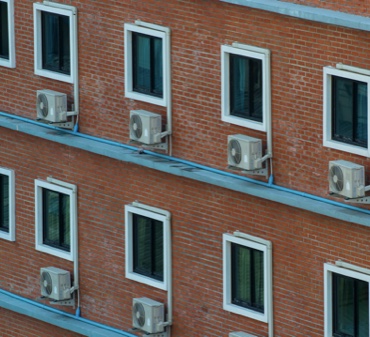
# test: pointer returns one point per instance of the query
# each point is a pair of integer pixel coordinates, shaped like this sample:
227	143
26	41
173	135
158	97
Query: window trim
40	246
155	31
251	52
254	243
10	236
59	9
129	256
329	269
11	62
328	72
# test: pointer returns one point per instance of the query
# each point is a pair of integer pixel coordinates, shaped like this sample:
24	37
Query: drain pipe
168	84
268	244
167	214
76	274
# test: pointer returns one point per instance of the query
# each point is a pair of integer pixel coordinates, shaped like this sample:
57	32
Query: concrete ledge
189	170
57	318
307	13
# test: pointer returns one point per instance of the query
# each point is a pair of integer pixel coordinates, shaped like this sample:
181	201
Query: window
247	276
55	41
7	204
147	63
245	81
346	107
148	245
346	302
56	218
7	49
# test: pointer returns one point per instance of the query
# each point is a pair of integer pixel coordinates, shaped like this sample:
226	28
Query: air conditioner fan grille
46	282
235	151
139	314
337	178
136	126
42	104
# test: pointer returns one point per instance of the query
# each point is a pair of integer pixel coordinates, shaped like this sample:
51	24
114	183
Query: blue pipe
269	184
56	311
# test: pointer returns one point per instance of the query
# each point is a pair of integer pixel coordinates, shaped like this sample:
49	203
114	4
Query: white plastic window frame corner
328	72
60	9
251	52
227	240
329	269
10	63
39	245
155	31
10	236
129	255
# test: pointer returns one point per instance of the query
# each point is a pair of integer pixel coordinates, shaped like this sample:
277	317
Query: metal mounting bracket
360	200
163	146
259	172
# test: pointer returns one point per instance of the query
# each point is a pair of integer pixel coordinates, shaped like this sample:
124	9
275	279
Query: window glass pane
247	277
349	111
361	126
148	246
246	87
55	42
158	249
4	31
350	307
343	105
363	308
4	203
147	64
343	303
56	219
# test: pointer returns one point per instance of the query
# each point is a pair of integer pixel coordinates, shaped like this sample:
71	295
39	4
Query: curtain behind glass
245	87
361	127
4	203
350	111
247	277
350	307
55	42
148	246
56	219
147	64
4	31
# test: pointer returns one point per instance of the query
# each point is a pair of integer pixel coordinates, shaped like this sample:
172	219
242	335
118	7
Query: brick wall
302	242
299	51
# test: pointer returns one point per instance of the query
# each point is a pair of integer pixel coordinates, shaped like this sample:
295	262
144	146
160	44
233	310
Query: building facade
184	168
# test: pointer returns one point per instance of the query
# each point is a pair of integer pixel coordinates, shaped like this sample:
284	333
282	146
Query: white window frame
10	236
155	214
327	110
155	31
11	62
66	189
251	52
60	9
254	243
329	269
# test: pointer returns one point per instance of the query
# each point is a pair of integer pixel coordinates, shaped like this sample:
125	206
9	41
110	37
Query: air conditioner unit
244	151
240	334
55	283
147	315
51	106
346	179
145	127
